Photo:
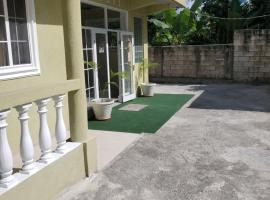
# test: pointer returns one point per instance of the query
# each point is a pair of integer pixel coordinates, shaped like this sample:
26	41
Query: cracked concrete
216	148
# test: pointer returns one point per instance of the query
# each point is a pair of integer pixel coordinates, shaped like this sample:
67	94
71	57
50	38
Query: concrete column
145	46
74	61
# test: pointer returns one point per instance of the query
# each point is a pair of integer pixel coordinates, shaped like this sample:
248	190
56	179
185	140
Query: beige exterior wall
122	4
50	36
53	69
46	183
140	14
51	46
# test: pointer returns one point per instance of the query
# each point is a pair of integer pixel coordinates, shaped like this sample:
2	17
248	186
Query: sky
189	3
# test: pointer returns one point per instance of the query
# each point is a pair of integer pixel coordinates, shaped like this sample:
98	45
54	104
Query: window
138	42
99	17
116	20
18	55
93	16
88	59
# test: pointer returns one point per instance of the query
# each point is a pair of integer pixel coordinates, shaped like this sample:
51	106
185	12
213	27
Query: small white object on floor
133	107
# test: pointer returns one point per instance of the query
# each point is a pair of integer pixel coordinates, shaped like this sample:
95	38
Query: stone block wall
213	62
248	59
252	55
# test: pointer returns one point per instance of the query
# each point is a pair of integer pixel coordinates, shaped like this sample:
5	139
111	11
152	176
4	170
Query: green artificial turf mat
159	110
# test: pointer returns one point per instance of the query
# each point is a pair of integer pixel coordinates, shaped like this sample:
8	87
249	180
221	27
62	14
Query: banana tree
171	26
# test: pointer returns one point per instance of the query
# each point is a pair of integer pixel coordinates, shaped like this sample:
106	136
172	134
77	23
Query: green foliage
144	65
255	8
193	26
91	64
171	27
113	75
222	30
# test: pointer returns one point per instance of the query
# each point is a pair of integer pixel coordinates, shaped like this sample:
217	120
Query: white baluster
26	144
6	160
60	128
45	141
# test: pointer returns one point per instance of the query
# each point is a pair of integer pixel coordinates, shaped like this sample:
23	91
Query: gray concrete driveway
216	148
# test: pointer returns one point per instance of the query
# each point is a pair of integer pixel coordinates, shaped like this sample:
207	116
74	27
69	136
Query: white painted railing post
45	140
60	128
6	160
26	144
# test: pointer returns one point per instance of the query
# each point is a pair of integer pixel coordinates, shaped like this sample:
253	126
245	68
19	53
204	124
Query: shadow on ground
232	97
217	153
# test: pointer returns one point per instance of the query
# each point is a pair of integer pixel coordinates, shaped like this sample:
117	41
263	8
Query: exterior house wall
140	14
122	4
246	60
51	47
59	44
50	37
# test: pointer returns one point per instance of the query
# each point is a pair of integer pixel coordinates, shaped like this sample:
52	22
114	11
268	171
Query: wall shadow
233	97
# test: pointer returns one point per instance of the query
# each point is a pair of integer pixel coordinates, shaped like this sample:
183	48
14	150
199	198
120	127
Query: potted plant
147	88
102	107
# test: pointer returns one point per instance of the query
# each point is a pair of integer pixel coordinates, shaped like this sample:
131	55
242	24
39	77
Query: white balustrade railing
26	143
6	160
60	128
45	141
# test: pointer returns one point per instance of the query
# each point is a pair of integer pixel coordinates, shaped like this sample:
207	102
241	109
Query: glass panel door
114	62
101	59
127	61
89	71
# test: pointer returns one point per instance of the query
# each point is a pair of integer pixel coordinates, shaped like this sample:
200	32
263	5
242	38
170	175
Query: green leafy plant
171	26
207	22
144	65
91	64
113	76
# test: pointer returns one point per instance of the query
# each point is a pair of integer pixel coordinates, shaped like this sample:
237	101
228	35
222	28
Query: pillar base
90	155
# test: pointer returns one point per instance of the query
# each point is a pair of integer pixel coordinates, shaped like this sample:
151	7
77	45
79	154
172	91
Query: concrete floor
111	144
216	148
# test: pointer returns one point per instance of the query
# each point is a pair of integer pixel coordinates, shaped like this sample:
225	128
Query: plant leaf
159	23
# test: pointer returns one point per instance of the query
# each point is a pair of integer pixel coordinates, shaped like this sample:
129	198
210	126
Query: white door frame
123	97
94	32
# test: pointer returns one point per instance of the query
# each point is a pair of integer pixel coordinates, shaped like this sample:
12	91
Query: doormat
133	107
158	111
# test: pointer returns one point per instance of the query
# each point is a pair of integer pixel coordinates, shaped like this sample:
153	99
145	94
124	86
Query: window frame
142	43
22	70
106	8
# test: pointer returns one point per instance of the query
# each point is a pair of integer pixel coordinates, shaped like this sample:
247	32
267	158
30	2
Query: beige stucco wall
50	36
122	4
50	180
52	64
143	16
